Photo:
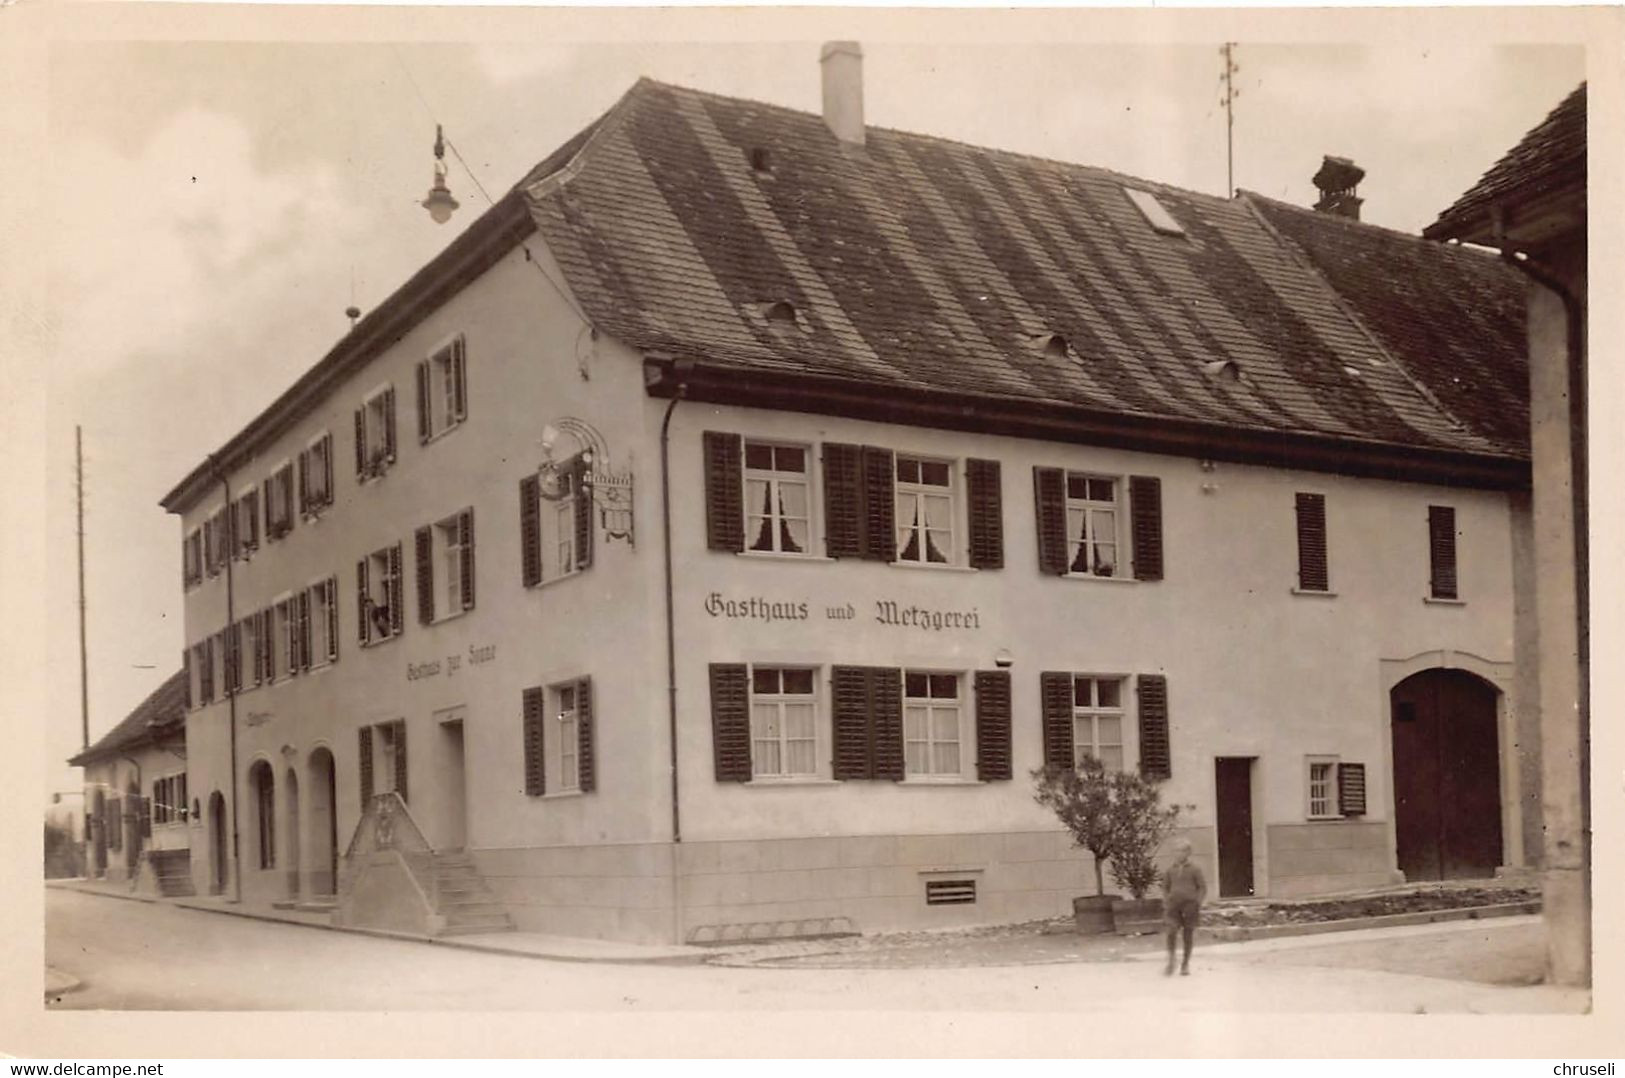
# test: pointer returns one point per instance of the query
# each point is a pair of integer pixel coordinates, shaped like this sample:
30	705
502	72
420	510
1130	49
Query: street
144	956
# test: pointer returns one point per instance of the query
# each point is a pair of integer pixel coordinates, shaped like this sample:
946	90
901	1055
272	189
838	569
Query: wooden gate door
1447	776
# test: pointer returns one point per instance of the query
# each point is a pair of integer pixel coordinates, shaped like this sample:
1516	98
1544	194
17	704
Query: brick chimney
1337	179
842	64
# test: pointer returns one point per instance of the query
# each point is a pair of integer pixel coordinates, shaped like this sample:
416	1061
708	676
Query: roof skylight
1155	213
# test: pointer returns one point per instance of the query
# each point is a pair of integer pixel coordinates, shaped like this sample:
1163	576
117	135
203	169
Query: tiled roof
1453	316
917	263
160	714
1553	152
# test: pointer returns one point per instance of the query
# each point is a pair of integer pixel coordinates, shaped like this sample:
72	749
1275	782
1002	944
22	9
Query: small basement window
950	892
1154	212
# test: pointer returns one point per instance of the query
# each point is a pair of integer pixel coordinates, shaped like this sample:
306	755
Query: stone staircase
173	871
465	902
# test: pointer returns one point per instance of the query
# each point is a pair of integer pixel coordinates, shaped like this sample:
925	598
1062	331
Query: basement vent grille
950	892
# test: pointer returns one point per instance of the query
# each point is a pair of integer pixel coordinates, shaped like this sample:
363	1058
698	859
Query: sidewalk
521	944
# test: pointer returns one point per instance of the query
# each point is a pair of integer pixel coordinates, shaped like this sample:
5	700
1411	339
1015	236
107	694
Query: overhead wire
530	256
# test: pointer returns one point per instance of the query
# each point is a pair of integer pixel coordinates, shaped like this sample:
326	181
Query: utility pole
84	666
1229	101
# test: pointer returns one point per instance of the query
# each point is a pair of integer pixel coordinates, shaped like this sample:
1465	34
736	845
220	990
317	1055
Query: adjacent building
139	817
716	536
1531	205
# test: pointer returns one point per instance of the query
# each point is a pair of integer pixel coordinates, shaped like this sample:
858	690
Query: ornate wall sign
611	491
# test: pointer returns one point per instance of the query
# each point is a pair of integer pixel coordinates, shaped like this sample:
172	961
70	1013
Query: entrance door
454	822
217	844
324	824
1233	801
1447	776
290	794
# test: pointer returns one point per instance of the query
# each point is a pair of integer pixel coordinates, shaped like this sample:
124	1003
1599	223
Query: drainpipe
231	697
681	368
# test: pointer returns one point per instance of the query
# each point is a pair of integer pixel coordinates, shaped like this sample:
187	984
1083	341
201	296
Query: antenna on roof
1229	103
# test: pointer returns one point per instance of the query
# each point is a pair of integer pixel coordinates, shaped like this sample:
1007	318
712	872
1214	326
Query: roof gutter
1049	421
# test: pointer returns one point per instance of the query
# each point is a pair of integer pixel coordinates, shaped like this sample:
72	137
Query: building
1531	205
713	539
138	819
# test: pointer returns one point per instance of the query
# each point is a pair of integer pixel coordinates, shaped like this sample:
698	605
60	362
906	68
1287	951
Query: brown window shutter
465	527
332	619
361	443
253	499
327	469
425	547
423	402
530	530
1442	551
459	384
993	725
724	492
1055	701
1049	497
267	626
588	778
849	694
397	591
262	647
400	757
365	746
1313	574
304	482
1351	789
730	722
1145	510
186	672
1156	756
361	599
271	531
843	500
583	512
985	497
535	722
879	507
306	645
886	721
389	425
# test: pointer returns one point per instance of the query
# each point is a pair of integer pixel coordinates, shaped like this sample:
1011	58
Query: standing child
1183	890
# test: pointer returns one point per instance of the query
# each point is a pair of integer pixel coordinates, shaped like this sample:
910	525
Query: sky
217	206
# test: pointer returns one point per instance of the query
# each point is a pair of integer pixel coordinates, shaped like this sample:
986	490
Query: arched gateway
1447	776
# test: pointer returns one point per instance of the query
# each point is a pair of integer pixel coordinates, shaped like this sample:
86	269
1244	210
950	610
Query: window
1091	525
558	738
925	511
442	396
555	521
1323	787
249	635
247	509
289	644
169	804
445	555
379	590
375	434
1313	567
930	723
216	541
203	672
1156	215
783	722
1097	720
778	511
316	476
192	558
1442	552
323	626
384	744
279	502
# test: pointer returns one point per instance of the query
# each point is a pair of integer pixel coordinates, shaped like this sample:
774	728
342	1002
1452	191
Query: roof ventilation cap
781	312
1225	370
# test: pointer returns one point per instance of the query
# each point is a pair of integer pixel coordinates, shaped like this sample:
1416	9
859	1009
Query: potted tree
1115	815
1144	824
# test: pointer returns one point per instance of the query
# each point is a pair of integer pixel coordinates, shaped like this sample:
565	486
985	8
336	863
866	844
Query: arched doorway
290	797
262	795
99	829
1447	776
218	857
324	824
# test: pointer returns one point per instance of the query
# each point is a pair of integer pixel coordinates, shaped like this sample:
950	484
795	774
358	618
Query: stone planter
1137	917
1093	914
